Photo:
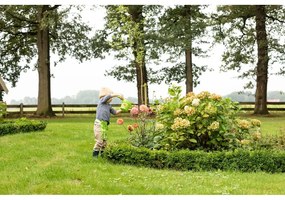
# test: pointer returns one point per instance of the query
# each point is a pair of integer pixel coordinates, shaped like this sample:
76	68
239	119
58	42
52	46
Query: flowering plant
144	128
203	121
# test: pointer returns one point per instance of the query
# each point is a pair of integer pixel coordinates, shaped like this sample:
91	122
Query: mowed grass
59	161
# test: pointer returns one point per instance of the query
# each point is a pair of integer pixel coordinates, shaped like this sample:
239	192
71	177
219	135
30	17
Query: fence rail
15	109
63	108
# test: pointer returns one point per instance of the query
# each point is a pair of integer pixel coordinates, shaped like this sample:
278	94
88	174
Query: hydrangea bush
202	121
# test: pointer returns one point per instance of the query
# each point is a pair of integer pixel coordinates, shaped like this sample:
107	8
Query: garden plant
197	132
196	122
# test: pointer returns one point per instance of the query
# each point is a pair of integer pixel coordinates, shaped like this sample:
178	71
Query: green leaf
193	140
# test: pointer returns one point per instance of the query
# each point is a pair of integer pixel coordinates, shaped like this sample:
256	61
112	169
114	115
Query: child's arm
120	96
118	111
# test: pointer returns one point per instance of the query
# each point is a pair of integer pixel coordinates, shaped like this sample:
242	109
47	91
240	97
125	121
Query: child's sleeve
105	98
113	111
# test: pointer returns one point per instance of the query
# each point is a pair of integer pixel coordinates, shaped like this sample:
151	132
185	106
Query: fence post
62	109
21	109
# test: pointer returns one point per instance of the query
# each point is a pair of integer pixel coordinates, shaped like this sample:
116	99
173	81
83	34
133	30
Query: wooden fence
62	109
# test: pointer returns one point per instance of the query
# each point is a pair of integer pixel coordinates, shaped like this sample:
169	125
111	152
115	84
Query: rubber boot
95	154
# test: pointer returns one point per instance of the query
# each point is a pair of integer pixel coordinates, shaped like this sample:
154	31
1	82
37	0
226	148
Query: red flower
135	125
120	121
130	128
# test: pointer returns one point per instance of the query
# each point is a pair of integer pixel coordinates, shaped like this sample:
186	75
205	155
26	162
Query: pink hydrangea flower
144	108
134	111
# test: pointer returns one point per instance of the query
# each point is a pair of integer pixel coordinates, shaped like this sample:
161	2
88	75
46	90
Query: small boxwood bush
21	125
236	160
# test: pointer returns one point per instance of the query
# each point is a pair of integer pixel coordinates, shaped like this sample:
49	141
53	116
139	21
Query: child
103	112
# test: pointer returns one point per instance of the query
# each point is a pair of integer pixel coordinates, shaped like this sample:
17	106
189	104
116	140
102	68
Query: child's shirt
104	109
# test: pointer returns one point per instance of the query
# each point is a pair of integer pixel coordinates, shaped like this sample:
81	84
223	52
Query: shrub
276	141
203	121
3	110
238	160
21	125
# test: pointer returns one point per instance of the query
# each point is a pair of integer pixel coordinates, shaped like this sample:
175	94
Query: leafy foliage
234	26
129	40
3	109
143	132
21	125
202	121
19	27
182	28
238	160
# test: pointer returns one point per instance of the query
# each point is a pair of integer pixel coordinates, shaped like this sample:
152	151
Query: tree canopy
31	33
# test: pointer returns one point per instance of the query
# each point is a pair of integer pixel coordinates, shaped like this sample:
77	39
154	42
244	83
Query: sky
70	77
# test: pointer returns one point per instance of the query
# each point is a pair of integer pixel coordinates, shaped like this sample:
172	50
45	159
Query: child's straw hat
105	91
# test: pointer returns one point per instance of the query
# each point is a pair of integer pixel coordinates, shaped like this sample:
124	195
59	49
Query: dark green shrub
238	160
21	125
3	110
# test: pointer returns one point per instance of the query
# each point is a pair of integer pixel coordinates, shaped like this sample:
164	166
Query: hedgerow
22	125
244	160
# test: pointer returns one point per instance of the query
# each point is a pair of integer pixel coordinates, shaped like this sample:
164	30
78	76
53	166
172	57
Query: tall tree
129	32
138	49
43	46
254	40
30	31
262	61
183	31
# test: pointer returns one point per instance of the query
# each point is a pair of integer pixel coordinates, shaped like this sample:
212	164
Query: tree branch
21	18
53	7
275	19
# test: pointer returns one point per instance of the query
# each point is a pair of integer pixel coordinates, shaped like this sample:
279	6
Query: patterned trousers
100	133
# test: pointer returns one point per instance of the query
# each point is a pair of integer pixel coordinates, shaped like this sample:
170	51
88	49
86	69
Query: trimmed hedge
237	160
21	125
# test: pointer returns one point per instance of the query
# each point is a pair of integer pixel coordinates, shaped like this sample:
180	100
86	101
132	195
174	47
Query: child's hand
121	96
118	112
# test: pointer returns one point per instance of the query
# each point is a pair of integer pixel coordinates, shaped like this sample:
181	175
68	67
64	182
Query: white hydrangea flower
195	102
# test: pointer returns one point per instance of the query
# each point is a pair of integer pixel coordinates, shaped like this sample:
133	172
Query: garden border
271	161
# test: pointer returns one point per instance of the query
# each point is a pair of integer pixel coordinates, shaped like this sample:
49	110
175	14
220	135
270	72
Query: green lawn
59	161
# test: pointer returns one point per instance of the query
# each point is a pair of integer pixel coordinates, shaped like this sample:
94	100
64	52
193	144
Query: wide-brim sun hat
105	91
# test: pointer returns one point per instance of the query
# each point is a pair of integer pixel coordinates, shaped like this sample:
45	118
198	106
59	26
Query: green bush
3	110
276	141
203	121
237	160
21	125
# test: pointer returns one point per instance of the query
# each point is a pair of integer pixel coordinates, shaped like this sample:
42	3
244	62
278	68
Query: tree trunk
142	84
139	54
189	71
44	107
262	63
188	52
